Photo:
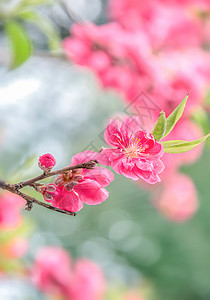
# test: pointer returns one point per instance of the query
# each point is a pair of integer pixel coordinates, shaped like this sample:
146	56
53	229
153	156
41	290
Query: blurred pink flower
182	72
132	296
87	282
126	61
17	247
136	154
46	162
158	20
52	273
117	56
178	202
10	210
80	185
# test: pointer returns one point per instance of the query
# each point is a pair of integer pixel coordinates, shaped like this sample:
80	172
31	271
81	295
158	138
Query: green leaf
177	146
160	127
174	117
20	43
45	26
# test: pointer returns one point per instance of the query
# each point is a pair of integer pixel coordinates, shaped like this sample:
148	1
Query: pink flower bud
46	162
50	192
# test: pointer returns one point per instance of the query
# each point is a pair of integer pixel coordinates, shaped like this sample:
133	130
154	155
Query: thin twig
30	200
88	165
15	188
33	200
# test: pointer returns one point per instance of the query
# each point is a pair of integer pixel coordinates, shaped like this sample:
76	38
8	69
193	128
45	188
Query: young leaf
177	146
174	117
160	127
20	43
45	26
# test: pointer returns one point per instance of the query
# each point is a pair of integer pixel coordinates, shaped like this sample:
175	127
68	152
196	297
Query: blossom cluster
144	48
75	187
134	153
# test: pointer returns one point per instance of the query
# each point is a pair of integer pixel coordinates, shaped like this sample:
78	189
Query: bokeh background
61	79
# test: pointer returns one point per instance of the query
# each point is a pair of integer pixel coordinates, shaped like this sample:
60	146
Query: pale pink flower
136	154
51	272
80	185
46	162
54	274
87	282
178	201
159	21
10	210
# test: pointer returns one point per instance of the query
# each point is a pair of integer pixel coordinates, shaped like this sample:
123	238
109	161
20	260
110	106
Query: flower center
72	176
135	149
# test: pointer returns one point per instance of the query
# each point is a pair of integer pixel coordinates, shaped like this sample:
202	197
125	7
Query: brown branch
88	165
30	200
15	188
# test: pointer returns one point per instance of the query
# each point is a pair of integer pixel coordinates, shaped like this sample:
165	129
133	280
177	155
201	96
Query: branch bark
15	188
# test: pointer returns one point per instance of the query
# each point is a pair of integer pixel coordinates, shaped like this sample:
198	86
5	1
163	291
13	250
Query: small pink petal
102	175
69	201
82	157
90	192
106	156
112	134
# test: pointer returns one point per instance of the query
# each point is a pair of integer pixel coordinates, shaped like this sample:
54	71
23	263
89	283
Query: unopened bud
90	165
50	191
46	162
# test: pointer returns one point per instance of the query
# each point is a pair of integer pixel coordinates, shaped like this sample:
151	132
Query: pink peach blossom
178	201
136	154
46	162
80	185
